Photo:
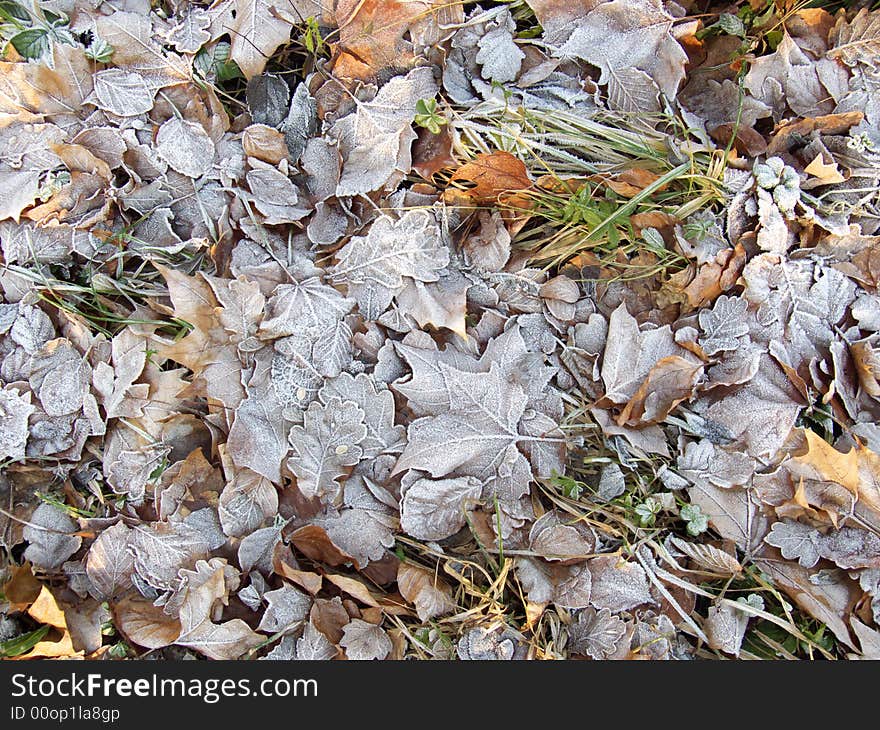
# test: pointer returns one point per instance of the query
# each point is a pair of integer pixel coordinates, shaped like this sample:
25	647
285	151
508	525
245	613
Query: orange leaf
488	179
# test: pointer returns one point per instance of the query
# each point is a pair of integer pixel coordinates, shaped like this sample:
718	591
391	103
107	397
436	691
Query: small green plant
31	32
214	64
428	117
570	488
312	38
647	511
697	522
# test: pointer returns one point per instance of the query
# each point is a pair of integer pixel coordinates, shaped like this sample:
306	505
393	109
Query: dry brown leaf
264	143
421	587
22	588
670	381
433	152
144	624
354	588
716	277
378	34
314	542
306	579
825	173
867	363
489	179
788	134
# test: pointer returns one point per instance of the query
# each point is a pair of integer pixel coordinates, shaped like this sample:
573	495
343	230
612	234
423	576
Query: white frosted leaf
435	509
15	409
618	585
287	609
375	266
246	503
162	549
303	307
325	446
186	147
723	325
378	407
49	537
595	633
796	542
374	140
363	641
123	93
110	563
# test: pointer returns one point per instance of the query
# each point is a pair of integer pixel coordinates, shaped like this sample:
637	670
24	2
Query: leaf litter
382	332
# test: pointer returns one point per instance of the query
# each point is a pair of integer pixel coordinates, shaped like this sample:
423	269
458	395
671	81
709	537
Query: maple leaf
375	267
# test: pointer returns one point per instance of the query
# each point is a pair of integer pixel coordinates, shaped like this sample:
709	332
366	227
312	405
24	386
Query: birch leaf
435	509
186	147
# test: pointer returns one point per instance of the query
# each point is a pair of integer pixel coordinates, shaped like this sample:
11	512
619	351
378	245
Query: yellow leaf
828	174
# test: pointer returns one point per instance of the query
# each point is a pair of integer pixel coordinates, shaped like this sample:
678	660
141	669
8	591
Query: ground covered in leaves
379	329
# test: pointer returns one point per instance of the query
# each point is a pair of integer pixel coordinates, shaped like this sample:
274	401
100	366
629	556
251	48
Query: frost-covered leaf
622	36
379	412
287	609
471	441
725	627
375	139
489	644
704	461
312	645
191	32
499	56
49	537
364	641
162	549
556	538
618	585
246	502
110	562
434	509
325	446
376	266
595	633
709	557
796	542
723	325
15	409
567	586
185	146
255	551
630	354
303	307
123	93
